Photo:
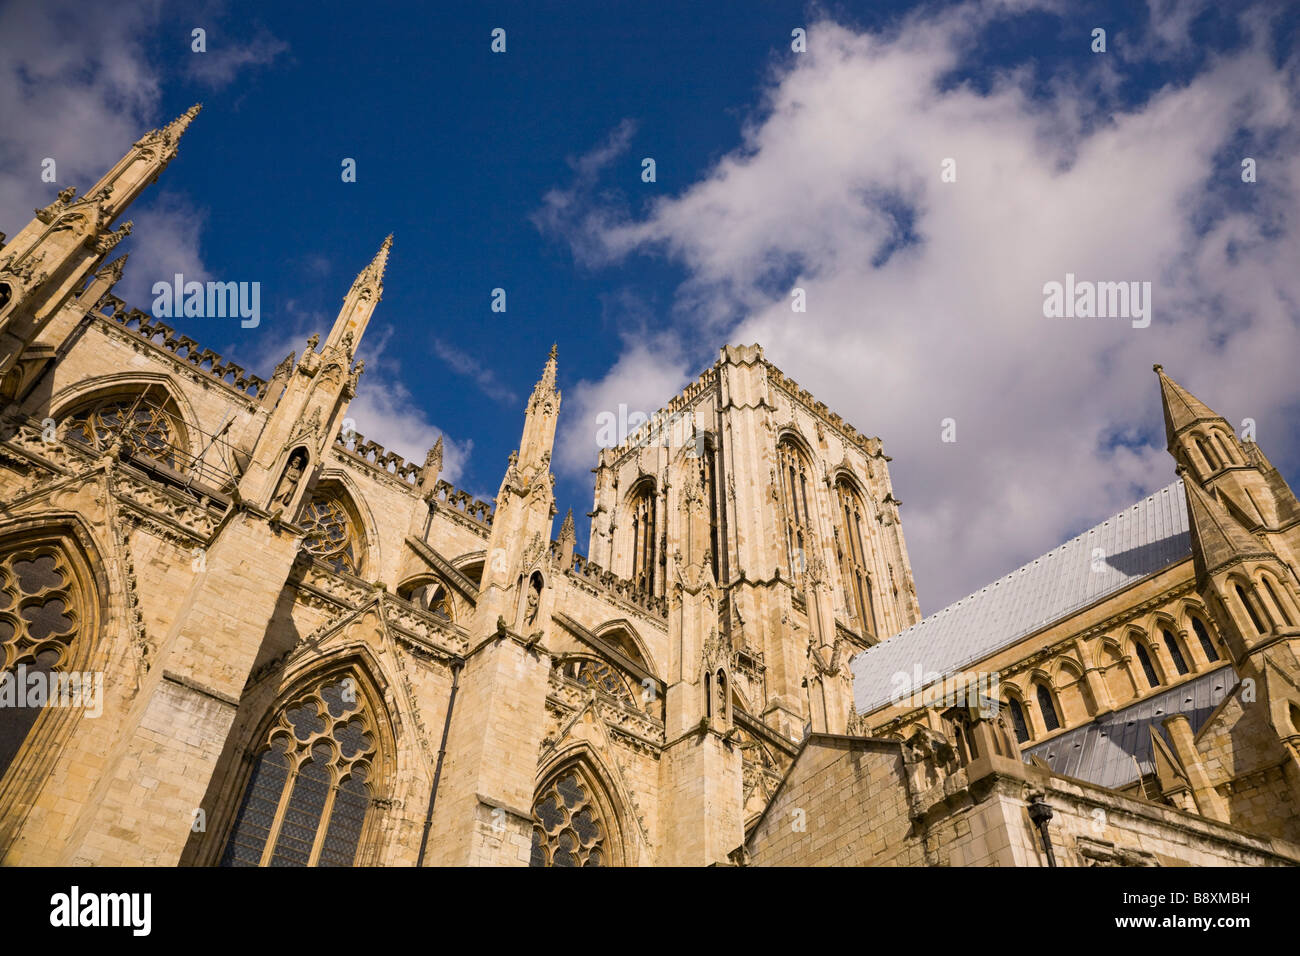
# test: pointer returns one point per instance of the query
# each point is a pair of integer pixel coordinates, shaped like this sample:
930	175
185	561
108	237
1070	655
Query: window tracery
568	829
600	676
644	541
793	471
331	533
306	801
143	421
853	562
40	617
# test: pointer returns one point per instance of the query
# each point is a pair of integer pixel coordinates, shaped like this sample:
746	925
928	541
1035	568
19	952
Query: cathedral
238	633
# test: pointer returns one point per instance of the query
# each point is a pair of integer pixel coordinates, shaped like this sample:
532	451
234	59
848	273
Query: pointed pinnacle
180	124
374	272
548	372
566	529
1217	537
113	270
1182	408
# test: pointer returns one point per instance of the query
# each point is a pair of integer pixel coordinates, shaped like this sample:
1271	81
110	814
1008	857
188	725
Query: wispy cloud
226	56
485	378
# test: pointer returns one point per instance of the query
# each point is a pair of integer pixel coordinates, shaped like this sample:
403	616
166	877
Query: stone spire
1182	408
359	304
51	257
539	422
1217	538
148	157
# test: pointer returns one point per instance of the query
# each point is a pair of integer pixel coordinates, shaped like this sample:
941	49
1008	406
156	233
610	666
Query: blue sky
774	169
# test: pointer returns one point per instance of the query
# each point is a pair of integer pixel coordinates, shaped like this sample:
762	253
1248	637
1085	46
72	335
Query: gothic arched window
793	472
1282	610
1250	610
1051	720
1175	652
599	675
145	422
40	616
1202	635
568	828
709	482
644	542
1210	460
1018	719
305	803
332	533
853	561
1148	668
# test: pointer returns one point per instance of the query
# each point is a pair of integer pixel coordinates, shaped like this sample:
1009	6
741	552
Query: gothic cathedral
272	642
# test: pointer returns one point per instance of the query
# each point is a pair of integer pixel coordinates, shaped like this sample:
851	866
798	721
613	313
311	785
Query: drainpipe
442	751
1040	813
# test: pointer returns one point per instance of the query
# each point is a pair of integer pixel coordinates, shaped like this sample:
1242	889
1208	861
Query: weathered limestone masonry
853	801
313	652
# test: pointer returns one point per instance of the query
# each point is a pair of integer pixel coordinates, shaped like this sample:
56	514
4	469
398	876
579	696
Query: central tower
796	534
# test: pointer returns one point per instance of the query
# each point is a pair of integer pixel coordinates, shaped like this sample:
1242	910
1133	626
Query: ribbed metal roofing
1111	750
1137	542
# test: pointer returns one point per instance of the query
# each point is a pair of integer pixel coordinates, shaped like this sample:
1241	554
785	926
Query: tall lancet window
643	537
794	473
853	560
709	482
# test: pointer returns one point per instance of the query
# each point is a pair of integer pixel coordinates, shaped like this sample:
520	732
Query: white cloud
648	372
846	151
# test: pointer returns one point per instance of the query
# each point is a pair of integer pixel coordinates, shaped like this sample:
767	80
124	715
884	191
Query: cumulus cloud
79	96
925	298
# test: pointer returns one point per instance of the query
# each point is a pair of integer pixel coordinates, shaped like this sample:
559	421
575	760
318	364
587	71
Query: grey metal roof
1143	539
1103	752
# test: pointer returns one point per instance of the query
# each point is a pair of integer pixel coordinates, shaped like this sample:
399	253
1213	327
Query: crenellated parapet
376	456
447	495
608	582
162	336
819	409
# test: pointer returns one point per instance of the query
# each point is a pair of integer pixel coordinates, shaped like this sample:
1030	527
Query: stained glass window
38	622
143	422
306	801
567	828
601	676
331	534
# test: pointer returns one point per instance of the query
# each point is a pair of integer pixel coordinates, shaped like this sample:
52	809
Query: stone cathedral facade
264	640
